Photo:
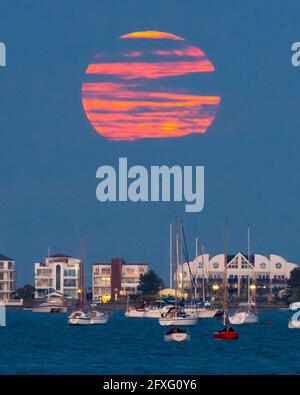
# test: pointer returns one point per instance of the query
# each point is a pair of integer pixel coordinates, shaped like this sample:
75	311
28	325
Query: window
234	264
70	273
10	265
105	271
216	265
244	264
278	265
58	275
69	282
129	270
200	265
1	265
71	293
263	265
1	276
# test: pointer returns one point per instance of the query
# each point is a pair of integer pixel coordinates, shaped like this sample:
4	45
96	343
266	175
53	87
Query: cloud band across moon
137	90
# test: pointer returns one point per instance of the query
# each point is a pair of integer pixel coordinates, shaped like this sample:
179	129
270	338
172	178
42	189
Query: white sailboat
245	315
79	317
176	316
98	317
198	309
294	322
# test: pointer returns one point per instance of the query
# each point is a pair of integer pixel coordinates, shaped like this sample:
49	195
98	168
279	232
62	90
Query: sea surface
41	343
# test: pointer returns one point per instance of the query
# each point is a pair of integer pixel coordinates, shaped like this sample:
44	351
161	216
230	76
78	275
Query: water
37	343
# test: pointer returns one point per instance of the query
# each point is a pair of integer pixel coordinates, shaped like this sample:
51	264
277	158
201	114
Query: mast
82	285
225	274
171	258
249	294
203	278
177	267
196	269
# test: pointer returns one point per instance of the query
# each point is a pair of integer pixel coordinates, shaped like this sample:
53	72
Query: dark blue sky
50	152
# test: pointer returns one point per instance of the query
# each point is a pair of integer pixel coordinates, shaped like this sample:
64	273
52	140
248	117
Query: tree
294	283
26	292
150	283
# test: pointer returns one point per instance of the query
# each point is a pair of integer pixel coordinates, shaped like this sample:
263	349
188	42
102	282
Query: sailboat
294	322
246	315
176	316
201	309
227	333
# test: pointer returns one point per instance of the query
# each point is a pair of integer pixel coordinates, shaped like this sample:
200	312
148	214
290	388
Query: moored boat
98	317
177	316
294	322
79	318
176	334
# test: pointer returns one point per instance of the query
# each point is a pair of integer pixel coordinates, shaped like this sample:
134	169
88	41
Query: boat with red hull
227	333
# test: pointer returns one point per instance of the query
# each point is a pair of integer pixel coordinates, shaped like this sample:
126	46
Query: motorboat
79	317
200	311
176	316
156	311
98	317
294	306
294	322
135	312
243	316
46	307
54	304
176	334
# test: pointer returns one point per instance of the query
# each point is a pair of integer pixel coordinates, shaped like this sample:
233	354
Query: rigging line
185	252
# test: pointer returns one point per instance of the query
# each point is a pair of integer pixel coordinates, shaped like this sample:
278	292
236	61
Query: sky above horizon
50	152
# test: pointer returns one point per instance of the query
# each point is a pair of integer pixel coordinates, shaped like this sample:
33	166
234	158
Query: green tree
150	283
26	292
294	284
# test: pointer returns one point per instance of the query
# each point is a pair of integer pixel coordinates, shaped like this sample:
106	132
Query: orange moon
151	84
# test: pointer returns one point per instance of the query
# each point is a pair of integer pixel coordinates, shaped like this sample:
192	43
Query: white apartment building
59	273
8	278
110	280
265	272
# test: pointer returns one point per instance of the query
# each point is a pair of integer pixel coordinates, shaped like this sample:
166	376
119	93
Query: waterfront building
115	278
8	279
60	273
265	274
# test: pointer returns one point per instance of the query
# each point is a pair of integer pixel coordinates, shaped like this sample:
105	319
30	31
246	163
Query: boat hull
166	321
79	321
49	309
177	337
226	336
202	313
134	314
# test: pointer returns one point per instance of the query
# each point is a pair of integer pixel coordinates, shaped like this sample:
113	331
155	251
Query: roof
124	263
250	260
59	256
5	258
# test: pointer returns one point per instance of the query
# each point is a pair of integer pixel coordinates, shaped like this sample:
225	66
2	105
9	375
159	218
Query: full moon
150	84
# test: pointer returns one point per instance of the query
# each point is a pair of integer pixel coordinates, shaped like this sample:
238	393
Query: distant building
59	273
8	278
267	273
110	280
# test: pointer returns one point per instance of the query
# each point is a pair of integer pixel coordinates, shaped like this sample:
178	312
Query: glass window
263	265
216	265
69	282
200	265
58	276
1	265
10	265
70	273
278	265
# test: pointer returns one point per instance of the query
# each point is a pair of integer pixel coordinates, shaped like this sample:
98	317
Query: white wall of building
59	273
8	278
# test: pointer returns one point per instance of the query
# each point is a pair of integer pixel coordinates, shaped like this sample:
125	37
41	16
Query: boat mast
171	258
249	295
196	269
177	268
225	274
203	278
